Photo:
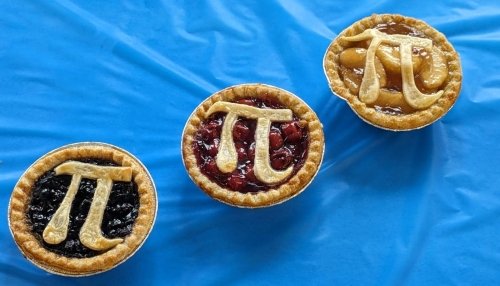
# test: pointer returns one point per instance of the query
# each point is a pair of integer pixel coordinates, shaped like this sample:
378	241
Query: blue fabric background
411	208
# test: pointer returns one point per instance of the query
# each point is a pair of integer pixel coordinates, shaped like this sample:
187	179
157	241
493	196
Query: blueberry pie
82	209
252	145
395	72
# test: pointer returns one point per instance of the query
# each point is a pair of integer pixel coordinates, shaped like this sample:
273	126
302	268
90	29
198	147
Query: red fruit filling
275	139
237	181
211	131
281	159
288	143
247	101
241	132
292	131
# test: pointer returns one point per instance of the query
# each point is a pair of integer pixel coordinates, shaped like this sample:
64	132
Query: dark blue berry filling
48	193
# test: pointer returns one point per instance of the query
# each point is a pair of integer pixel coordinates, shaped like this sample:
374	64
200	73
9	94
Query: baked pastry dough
92	167
252	145
395	72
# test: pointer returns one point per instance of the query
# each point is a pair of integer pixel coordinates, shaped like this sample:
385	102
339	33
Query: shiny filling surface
288	144
429	69
49	191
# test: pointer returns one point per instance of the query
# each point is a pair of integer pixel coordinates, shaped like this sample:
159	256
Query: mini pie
252	145
395	72
82	209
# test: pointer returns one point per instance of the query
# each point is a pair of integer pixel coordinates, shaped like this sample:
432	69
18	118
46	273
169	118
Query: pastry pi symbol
227	157
370	86
90	233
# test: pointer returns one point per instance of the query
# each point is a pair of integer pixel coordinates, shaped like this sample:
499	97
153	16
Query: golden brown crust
32	248
272	196
411	121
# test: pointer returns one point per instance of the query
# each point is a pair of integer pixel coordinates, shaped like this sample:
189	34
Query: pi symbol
90	235
227	157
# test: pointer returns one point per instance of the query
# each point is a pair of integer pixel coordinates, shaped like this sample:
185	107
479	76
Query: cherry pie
252	145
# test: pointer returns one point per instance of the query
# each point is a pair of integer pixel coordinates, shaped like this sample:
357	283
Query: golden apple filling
393	68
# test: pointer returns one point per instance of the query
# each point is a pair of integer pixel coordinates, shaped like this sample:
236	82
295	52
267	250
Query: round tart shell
293	185
32	248
418	119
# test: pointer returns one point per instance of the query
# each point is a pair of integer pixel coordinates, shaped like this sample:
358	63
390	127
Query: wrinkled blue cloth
407	208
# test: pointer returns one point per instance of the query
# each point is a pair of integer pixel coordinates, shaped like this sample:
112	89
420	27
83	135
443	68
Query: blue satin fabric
410	208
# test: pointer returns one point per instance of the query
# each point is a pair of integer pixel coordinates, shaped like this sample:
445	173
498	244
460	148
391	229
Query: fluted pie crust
293	185
32	248
417	119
